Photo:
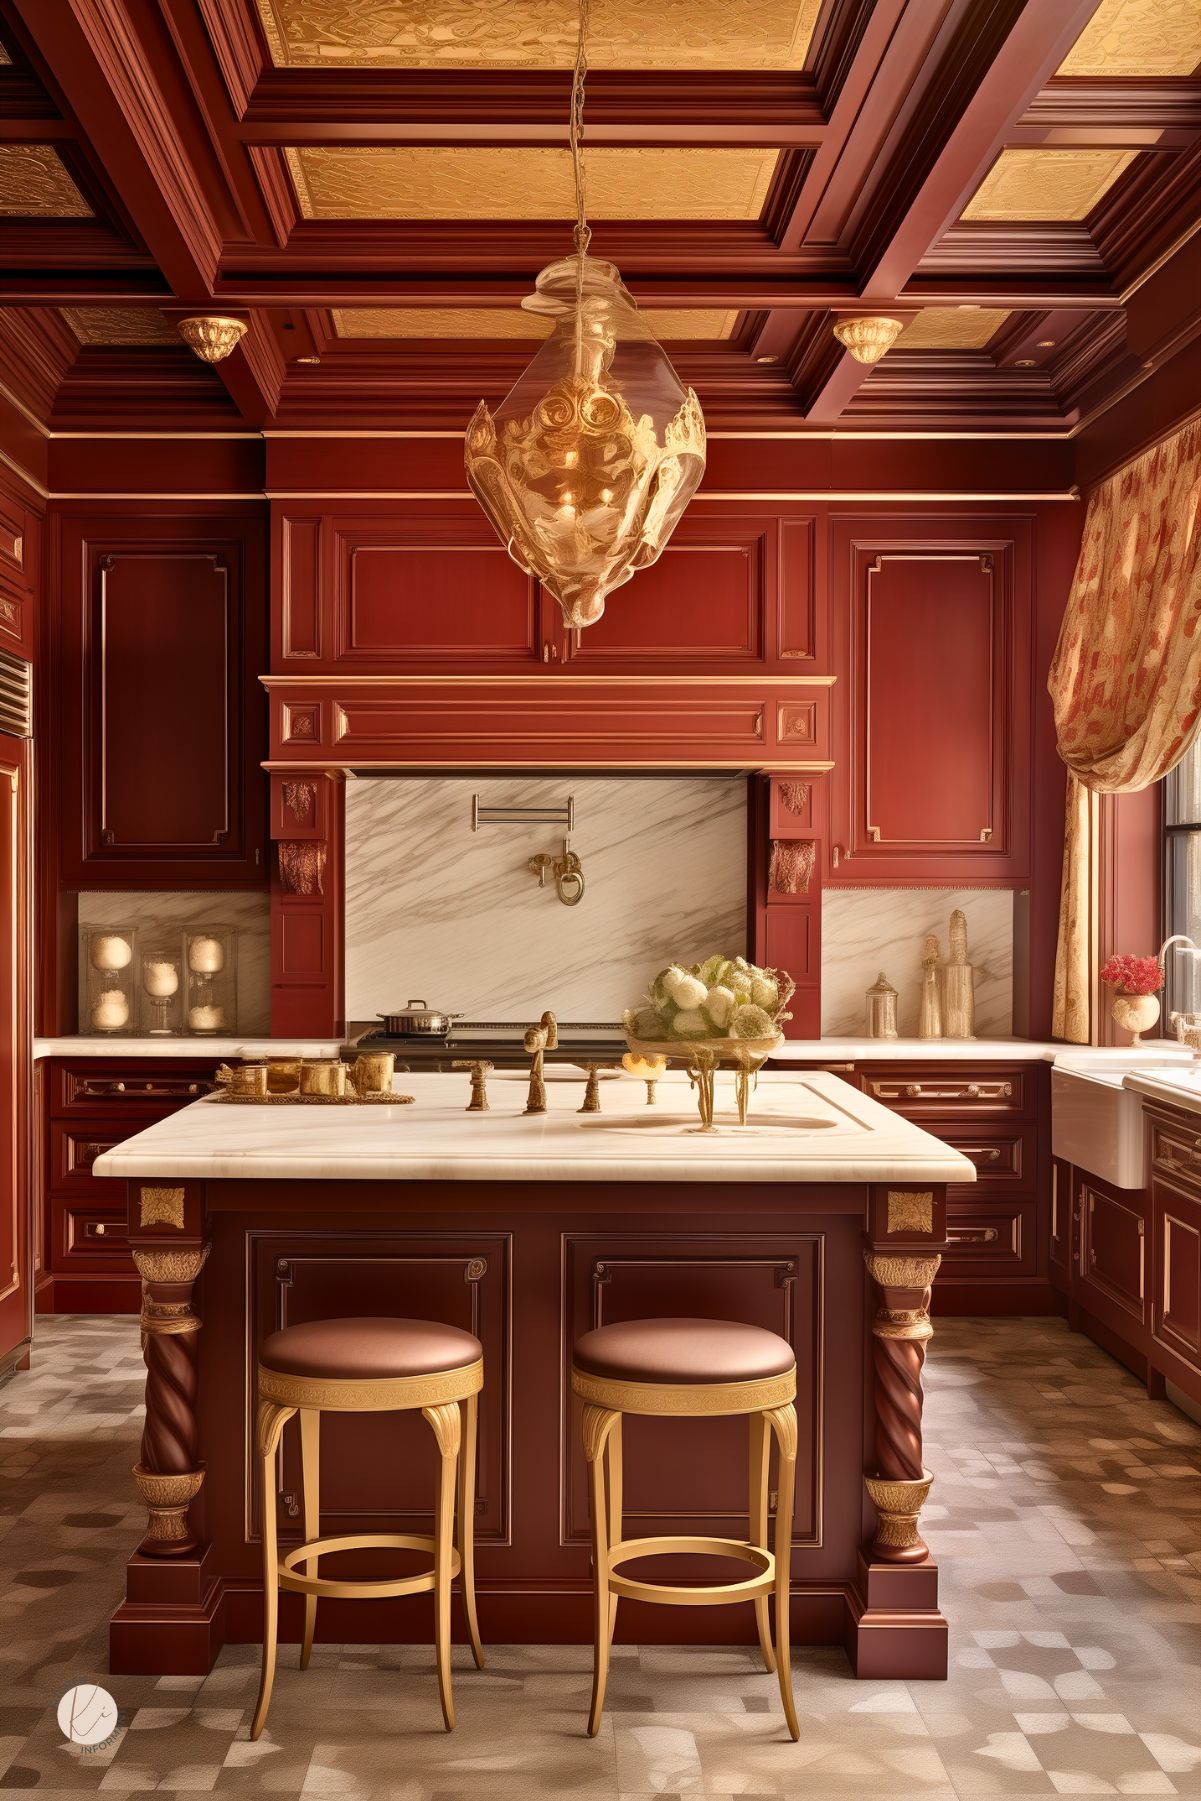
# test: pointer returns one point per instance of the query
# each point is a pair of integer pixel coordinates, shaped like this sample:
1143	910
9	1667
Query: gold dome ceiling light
868	339
212	336
590	460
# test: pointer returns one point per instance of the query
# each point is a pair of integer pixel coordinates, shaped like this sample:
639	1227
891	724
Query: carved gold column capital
889	1270
170	1266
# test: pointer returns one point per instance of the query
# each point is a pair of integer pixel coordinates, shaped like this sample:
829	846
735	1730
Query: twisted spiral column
169	1476
901	1330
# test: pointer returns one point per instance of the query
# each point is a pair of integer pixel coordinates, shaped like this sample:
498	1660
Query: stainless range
500	1041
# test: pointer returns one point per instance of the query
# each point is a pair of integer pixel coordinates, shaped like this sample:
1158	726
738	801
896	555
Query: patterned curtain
1126	676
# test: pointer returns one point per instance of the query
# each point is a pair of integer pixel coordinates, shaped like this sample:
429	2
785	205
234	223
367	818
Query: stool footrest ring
347	1590
700	1595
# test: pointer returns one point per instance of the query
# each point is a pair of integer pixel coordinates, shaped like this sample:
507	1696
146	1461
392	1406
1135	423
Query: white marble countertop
1176	1087
802	1128
911	1050
195	1045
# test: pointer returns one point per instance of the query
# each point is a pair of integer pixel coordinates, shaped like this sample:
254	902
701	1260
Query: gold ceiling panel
454	182
1138	37
537	34
34	184
1046	184
506	322
952	328
4	56
119	325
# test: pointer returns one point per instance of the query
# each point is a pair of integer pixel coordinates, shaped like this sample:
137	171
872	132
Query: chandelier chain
583	234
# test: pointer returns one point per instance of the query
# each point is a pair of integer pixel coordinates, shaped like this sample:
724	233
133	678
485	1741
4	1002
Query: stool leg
783	1424
310	1478
598	1427
271	1421
613	1485
466	1530
447	1429
760	1464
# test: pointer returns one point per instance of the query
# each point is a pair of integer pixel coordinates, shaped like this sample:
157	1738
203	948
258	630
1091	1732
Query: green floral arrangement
721	998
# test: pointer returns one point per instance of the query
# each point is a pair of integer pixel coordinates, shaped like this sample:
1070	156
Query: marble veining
169	914
866	930
436	910
803	1128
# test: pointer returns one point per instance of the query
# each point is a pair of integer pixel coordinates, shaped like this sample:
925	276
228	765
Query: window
1182	878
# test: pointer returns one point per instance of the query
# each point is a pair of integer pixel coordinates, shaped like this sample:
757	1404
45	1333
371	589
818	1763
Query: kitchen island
822	1220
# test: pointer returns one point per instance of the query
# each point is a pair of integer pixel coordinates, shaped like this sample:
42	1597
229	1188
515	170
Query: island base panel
901	1640
528	1268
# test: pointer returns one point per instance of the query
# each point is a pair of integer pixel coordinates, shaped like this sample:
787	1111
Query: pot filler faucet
1186	1027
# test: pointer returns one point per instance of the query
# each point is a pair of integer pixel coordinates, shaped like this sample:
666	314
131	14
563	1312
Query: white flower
690	1023
719	1004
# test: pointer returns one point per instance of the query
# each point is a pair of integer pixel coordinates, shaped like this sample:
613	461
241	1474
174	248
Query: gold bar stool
370	1366
689	1367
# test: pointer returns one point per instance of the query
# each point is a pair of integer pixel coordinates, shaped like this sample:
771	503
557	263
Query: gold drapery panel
1126	676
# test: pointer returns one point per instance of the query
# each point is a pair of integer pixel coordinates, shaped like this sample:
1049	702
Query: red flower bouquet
1138	981
1133	975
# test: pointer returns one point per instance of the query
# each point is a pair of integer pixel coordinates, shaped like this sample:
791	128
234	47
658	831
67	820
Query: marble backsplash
866	930
453	916
166	915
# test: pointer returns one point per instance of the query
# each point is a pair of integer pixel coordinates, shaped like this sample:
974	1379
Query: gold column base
898	1505
167	1499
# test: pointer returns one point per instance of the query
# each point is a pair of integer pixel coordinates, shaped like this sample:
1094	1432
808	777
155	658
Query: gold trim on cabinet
327	682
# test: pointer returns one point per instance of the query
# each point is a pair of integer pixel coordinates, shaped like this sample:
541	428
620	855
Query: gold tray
313	1100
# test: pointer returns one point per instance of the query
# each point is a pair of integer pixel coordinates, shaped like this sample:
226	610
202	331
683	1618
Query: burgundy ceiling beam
392	106
982	69
120	69
1138	112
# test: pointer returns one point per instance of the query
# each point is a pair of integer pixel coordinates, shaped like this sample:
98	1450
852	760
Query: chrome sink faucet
1186	1027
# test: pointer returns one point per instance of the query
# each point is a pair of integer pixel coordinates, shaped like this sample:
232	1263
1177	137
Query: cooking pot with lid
417	1020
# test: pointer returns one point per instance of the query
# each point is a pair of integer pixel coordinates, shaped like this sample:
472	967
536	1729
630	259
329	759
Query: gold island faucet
539	1039
480	1070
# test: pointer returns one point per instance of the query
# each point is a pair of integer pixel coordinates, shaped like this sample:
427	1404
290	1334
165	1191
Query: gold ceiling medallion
868	339
211	336
591	459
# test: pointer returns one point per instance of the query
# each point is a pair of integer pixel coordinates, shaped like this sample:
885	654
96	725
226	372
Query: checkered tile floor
1066	1521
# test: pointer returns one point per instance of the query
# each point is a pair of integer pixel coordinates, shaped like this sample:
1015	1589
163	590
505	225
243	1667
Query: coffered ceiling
536	34
372	186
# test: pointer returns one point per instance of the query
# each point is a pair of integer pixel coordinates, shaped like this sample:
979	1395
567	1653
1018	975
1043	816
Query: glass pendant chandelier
591	459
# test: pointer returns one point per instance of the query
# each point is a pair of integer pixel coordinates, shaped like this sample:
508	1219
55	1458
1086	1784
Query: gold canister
283	1075
372	1072
247	1078
324	1076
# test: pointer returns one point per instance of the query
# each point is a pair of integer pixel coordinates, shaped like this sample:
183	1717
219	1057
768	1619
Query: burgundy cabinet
932	754
397	590
1112	1267
161	642
16	950
20	548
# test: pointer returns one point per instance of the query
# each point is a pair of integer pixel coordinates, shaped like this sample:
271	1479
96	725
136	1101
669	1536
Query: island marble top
802	1128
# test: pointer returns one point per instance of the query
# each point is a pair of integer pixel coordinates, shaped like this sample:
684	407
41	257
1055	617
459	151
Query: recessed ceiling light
1026	362
308	359
767	359
1046	343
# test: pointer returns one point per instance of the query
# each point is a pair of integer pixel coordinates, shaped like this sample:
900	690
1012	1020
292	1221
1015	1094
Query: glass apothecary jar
162	988
109	971
212	971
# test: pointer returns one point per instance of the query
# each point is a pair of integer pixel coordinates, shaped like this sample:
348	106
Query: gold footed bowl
703	1057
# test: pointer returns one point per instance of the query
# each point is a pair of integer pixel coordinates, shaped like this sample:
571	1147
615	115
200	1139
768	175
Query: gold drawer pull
1185	1165
986	1154
974	1235
967	1091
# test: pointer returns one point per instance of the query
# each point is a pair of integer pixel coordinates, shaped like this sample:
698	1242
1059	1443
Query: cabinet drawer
1176	1153
74	1149
987	1239
80	1090
1004	1158
919	1092
93	1238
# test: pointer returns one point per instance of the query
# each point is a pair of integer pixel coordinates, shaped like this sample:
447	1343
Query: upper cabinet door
162	642
402	592
932	736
